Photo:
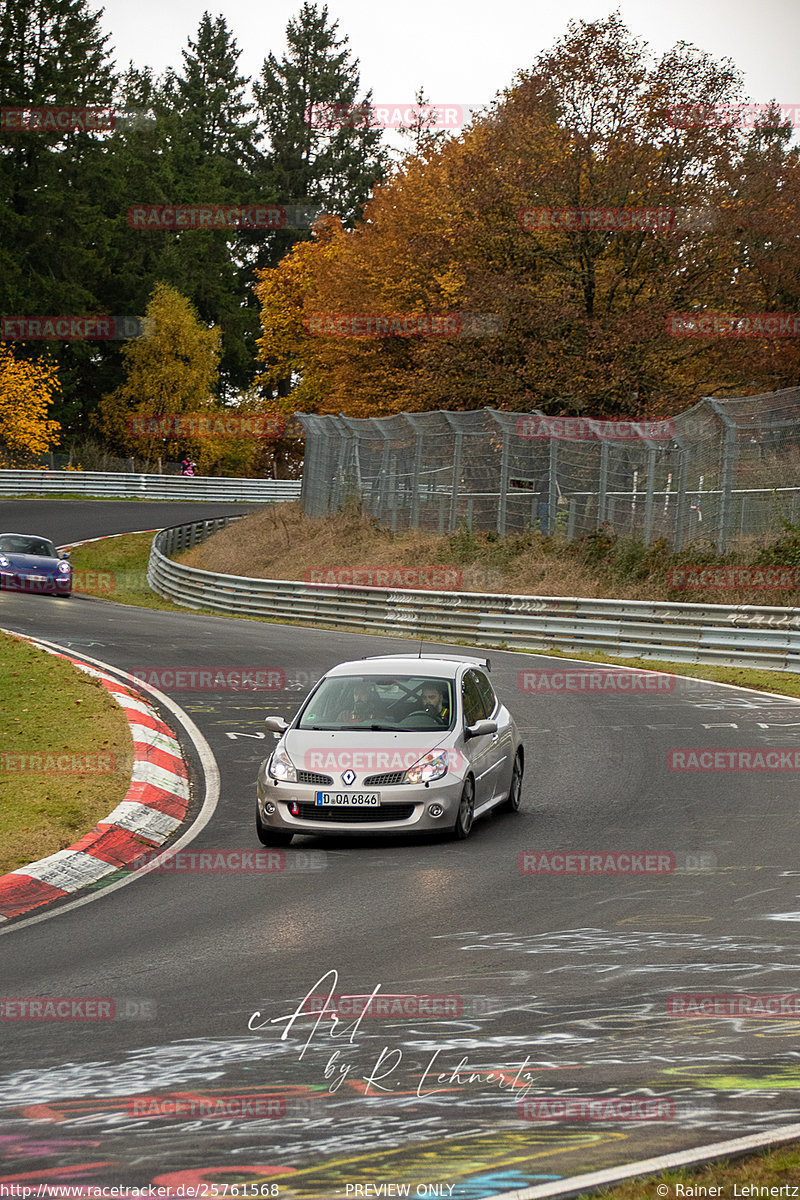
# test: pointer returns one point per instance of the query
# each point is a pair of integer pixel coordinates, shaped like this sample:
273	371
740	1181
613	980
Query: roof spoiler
465	658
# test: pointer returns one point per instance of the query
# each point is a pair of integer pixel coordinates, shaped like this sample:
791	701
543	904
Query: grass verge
753	1175
116	569
280	542
127	557
80	746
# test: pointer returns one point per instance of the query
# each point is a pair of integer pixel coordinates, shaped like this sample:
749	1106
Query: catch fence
724	472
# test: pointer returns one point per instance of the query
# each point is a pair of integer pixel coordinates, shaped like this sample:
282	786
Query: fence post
648	504
413	521
682	498
502	495
603	484
552	486
379	504
457	452
726	475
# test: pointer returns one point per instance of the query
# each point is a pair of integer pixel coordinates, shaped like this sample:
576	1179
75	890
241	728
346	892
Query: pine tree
323	147
53	230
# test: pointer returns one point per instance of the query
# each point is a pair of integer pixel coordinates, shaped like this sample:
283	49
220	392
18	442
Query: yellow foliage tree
26	390
171	370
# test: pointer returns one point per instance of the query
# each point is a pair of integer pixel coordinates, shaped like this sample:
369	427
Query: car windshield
16	543
401	704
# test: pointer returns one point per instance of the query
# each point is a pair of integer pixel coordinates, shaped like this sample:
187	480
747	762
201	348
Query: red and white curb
153	808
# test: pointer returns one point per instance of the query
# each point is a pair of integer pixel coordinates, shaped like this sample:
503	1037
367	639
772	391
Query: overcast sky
464	51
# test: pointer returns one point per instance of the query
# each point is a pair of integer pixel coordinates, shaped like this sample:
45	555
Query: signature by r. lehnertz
382	1075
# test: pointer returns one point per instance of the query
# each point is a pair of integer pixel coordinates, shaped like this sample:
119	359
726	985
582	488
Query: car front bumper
404	808
18	581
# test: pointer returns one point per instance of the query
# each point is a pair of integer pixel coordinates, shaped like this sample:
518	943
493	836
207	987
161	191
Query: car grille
353	816
314	777
388	779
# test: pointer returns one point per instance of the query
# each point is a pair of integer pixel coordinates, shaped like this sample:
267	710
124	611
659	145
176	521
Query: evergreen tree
323	148
213	155
53	230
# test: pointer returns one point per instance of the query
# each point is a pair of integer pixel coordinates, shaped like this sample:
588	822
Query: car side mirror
480	728
276	725
64	554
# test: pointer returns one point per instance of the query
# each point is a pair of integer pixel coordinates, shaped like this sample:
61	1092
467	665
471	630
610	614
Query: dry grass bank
281	543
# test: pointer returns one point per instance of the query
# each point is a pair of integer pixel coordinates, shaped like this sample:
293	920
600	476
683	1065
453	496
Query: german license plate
348	799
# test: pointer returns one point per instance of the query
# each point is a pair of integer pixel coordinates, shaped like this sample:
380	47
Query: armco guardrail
746	635
117	485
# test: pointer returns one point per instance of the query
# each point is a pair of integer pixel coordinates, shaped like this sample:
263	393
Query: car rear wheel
271	837
466	810
514	797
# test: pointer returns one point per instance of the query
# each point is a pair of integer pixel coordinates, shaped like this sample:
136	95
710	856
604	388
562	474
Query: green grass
49	709
768	1169
116	569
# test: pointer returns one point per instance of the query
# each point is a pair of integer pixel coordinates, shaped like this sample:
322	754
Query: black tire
466	810
514	797
271	837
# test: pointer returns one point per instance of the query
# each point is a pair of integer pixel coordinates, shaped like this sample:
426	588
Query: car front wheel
271	837
466	811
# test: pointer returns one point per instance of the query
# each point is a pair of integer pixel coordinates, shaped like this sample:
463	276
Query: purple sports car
32	564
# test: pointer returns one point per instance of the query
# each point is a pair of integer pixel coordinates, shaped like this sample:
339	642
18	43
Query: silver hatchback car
401	744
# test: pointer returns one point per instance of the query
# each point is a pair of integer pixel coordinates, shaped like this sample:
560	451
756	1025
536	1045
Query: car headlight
281	766
64	568
431	766
4	561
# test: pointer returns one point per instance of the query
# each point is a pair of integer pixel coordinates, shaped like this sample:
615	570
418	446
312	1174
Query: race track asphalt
553	985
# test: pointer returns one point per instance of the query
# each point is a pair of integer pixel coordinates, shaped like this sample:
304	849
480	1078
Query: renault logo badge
348	777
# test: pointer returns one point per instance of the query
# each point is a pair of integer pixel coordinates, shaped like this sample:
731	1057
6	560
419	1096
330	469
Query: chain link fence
723	472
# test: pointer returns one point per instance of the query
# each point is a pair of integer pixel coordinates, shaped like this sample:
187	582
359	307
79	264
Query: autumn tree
172	369
580	312
27	390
